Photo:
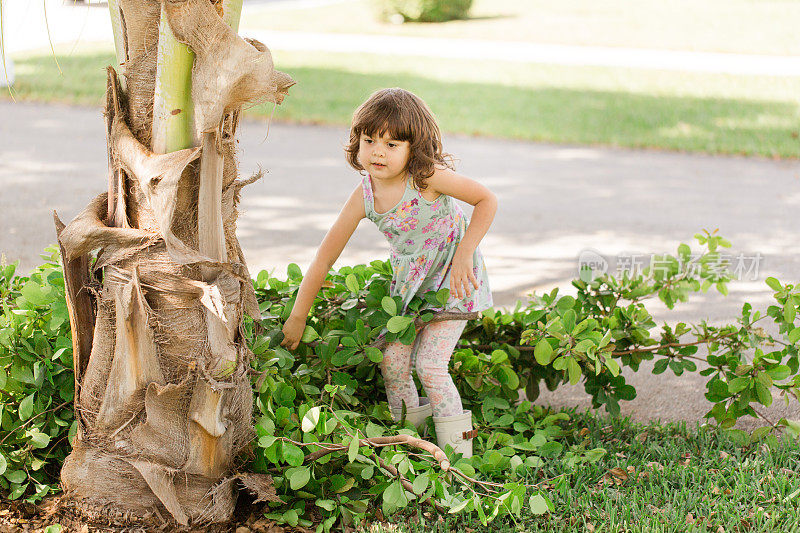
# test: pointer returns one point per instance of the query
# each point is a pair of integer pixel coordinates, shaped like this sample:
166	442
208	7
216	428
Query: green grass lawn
712	113
743	26
664	478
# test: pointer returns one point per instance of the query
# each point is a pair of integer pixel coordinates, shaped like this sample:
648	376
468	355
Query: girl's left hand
461	275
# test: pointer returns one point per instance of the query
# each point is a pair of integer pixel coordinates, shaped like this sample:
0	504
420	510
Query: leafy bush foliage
36	379
424	10
323	429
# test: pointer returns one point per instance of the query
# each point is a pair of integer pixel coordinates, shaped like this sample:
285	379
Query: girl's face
383	157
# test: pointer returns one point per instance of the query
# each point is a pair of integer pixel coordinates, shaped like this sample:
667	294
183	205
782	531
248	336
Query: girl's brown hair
404	117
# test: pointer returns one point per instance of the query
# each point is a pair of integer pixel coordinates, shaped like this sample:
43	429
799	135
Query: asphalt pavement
557	203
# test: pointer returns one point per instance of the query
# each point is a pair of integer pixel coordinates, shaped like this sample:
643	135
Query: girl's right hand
293	331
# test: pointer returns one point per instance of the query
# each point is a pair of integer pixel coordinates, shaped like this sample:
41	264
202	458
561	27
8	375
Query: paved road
555	203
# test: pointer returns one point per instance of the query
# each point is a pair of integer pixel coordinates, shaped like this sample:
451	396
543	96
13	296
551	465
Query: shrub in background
424	10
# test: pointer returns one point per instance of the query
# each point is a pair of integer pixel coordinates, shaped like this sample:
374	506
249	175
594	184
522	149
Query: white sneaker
456	431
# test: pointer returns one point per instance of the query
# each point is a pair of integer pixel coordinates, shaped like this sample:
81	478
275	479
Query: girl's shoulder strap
369	199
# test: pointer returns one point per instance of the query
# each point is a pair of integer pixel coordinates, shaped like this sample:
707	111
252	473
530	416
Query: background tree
163	399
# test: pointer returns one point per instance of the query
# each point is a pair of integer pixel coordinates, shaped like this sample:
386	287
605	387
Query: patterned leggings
432	348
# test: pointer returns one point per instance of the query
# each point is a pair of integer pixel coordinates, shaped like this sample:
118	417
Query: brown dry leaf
631	469
655	466
265	525
720	529
685	458
590	527
621	455
724	455
619	475
690	518
715	490
643	476
641	437
583	432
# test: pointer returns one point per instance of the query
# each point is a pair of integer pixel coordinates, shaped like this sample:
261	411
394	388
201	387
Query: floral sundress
423	237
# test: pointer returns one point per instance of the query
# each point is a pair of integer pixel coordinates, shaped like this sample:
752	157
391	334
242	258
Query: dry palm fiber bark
163	396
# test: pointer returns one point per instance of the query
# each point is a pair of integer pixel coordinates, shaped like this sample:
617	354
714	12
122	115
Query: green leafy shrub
36	379
321	418
424	10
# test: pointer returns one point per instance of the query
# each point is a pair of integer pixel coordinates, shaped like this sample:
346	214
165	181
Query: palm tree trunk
163	398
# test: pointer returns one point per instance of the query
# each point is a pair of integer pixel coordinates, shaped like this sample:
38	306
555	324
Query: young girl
408	191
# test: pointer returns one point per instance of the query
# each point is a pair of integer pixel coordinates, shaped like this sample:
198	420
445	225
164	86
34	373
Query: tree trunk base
103	486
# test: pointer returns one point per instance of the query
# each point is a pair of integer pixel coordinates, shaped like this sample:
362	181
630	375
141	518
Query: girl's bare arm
327	254
445	181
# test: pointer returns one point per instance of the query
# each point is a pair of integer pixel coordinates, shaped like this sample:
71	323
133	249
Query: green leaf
291	517
351	282
538	504
458	506
38	439
298	477
420	483
542	352
3	464
442	295
26	407
389	305
507	377
779	372
774	284
789	311
763	394
309	334
293	271
395	495
574	370
16	476
36	294
568	321
352	450
311	419
266	441
565	303
613	367
660	366
478	506
397	324
738	384
759	433
794	335
499	356
292	454
328	505
374	354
